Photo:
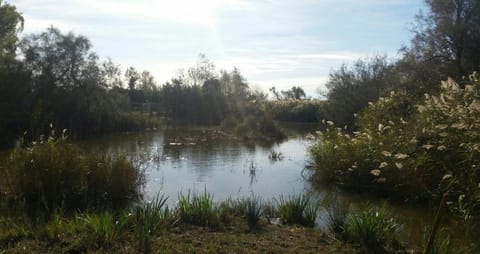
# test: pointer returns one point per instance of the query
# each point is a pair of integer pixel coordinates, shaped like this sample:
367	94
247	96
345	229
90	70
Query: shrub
411	150
51	174
296	110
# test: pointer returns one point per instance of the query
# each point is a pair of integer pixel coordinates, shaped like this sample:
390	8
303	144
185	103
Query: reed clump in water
51	174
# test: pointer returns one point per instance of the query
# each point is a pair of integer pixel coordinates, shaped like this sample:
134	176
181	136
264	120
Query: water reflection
182	159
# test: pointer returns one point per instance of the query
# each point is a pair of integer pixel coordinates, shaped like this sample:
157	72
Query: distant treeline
54	79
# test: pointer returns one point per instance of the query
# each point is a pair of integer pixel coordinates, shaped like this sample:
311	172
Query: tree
350	89
239	84
132	77
147	82
112	74
11	22
275	93
295	93
205	70
445	41
62	60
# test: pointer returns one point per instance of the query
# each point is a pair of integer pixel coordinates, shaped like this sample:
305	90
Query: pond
197	159
180	159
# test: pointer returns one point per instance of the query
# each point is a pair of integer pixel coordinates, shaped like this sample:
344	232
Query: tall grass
198	210
149	219
336	219
442	243
252	209
298	209
51	173
373	231
104	228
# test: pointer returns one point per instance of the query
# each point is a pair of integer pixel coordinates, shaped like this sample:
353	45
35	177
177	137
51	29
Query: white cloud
272	42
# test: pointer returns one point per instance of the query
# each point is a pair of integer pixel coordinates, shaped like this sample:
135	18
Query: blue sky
278	43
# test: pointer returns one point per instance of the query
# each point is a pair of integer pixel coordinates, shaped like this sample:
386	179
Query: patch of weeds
198	210
373	231
149	219
297	210
103	228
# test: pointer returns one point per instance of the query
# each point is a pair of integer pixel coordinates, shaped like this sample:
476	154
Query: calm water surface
181	160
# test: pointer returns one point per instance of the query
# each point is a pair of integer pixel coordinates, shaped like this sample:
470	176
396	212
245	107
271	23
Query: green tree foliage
352	88
70	85
11	22
14	81
445	43
297	110
61	82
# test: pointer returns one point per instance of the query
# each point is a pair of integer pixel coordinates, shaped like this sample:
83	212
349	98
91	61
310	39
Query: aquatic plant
373	231
197	209
51	173
275	156
253	210
104	228
336	219
149	219
298	209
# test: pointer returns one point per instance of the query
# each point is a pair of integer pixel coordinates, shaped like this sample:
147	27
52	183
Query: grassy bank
197	224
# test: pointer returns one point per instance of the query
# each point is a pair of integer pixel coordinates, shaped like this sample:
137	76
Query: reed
373	231
197	209
150	218
52	174
104	228
297	210
252	210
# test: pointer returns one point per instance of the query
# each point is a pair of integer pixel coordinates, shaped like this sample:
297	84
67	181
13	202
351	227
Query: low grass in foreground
152	228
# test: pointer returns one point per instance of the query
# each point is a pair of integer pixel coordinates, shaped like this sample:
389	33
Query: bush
411	150
254	123
51	174
296	110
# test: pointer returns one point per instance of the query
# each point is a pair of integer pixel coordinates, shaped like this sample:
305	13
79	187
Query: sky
281	43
